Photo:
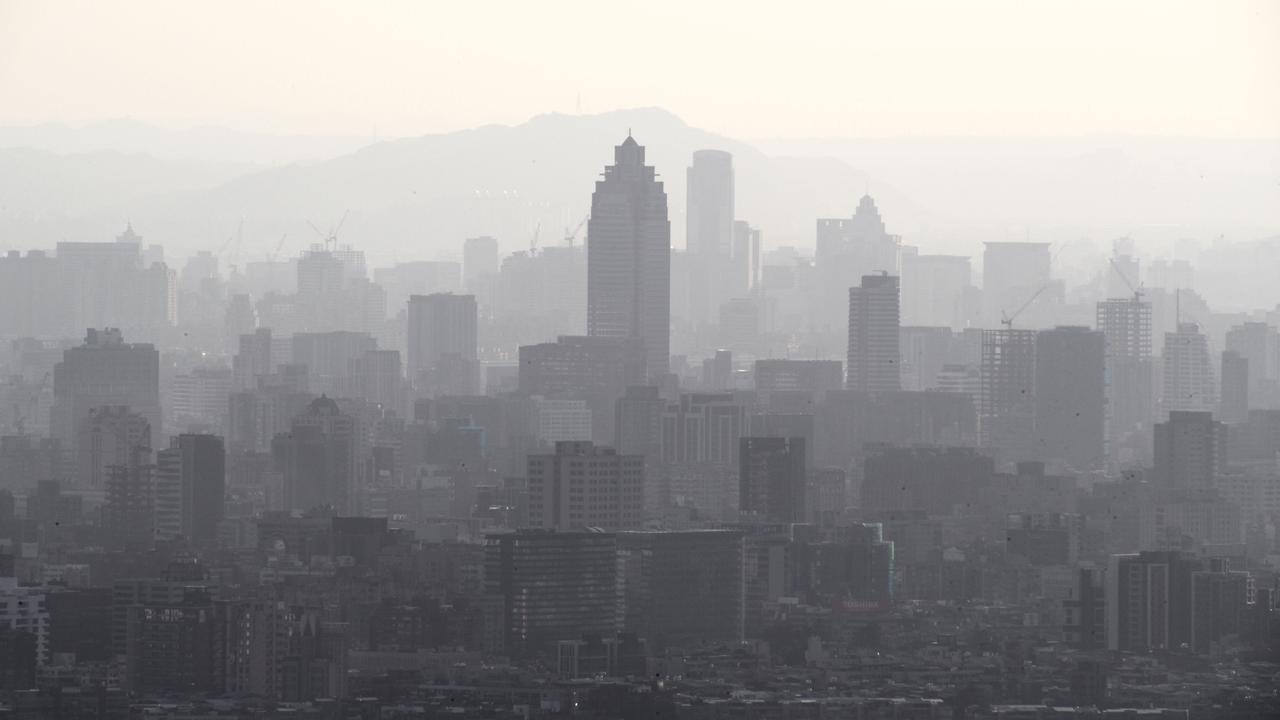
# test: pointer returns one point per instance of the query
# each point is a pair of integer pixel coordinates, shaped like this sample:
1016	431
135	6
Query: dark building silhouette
629	257
856	567
772	479
682	588
318	458
550	586
1190	453
173	648
190	484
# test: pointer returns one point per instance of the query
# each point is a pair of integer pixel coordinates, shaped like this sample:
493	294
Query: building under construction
1126	323
1006	404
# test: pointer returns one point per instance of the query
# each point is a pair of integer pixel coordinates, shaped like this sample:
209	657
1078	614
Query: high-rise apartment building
1126	324
874	356
629	257
585	486
190	484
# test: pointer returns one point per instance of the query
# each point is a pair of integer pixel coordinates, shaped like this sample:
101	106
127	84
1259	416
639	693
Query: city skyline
606	416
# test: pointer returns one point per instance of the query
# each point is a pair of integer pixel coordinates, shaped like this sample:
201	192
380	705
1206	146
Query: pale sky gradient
747	69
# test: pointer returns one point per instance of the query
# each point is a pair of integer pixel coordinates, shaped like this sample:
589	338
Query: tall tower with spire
629	257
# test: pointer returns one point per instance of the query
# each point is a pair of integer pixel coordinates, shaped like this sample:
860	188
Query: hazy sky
749	69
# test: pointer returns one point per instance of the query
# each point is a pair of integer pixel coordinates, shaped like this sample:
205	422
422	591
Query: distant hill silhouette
419	197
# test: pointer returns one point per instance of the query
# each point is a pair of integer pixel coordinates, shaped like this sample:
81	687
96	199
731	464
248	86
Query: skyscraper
850	248
709	235
710	203
1070	397
874	357
1126	324
443	343
189	486
1188	371
629	257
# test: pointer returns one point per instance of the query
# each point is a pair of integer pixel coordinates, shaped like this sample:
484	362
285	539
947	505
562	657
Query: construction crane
1137	291
330	239
275	253
570	235
1007	320
533	241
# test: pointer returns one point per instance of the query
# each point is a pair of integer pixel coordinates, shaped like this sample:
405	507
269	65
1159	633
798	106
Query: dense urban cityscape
417	360
321	491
